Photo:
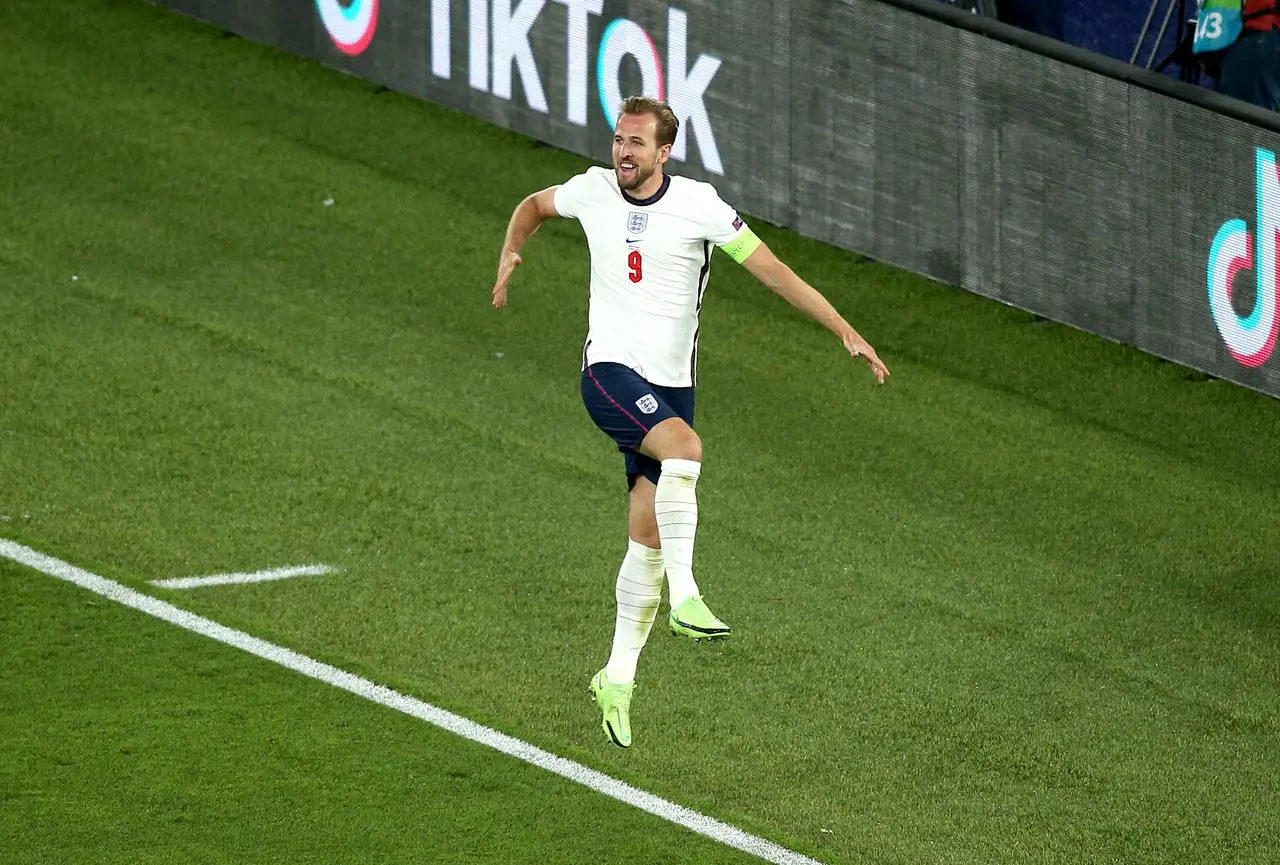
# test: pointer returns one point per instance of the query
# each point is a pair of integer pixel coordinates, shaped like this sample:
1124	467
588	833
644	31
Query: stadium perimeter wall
1061	182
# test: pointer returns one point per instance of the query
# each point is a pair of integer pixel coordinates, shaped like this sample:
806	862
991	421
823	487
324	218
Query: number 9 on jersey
636	265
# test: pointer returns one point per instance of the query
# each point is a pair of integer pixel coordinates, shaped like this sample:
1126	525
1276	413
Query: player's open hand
858	347
506	266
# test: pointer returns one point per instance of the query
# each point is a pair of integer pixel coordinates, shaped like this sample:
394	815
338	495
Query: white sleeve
720	221
726	229
571	195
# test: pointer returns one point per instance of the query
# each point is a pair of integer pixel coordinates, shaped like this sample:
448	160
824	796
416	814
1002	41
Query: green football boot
614	702
692	619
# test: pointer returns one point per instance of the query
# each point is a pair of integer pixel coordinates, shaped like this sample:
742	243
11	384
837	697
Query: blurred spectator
977	7
1039	16
1249	69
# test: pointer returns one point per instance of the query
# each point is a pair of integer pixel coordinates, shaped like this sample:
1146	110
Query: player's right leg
623	405
638	592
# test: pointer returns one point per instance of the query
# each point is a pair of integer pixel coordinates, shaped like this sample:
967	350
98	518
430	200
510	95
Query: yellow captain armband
741	247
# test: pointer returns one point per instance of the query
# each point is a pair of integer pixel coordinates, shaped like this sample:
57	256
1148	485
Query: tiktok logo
350	27
685	90
621	38
500	50
1250	338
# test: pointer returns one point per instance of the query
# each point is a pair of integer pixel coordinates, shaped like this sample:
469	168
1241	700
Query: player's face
637	158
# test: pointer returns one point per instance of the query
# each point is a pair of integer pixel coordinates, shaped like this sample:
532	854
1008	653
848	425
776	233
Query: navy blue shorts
625	407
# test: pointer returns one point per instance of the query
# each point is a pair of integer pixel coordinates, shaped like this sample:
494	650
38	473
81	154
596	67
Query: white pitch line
233	579
730	836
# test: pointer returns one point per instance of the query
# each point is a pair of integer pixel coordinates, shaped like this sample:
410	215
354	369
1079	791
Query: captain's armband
741	247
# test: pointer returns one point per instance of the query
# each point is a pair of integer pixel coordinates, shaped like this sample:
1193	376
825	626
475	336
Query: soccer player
650	236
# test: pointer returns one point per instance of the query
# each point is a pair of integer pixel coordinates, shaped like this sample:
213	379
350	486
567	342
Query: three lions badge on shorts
647	403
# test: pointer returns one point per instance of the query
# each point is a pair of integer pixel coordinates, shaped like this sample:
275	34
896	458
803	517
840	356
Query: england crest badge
647	403
637	222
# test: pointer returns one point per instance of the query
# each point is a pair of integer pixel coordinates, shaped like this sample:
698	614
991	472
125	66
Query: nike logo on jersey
631	240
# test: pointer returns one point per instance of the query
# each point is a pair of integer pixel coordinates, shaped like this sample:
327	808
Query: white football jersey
650	261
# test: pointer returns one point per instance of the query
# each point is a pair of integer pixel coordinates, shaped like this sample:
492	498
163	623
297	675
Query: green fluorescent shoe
615	705
693	619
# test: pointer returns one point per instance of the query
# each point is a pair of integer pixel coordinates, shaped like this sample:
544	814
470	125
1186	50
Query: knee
646	537
672	439
642	527
688	447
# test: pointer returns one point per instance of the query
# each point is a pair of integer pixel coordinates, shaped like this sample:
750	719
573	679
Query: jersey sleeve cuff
556	202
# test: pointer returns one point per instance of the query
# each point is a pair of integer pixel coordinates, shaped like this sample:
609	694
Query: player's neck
648	189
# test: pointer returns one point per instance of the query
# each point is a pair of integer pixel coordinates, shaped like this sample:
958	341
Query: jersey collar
652	199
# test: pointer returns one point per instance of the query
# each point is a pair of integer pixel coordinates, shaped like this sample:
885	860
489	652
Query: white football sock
676	507
639	593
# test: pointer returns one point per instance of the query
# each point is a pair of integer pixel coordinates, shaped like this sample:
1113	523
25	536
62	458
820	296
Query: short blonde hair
668	123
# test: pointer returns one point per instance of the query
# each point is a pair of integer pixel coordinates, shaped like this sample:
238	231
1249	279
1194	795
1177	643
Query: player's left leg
677	451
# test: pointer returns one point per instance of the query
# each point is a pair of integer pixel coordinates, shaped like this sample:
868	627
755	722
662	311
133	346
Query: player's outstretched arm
769	269
527	218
